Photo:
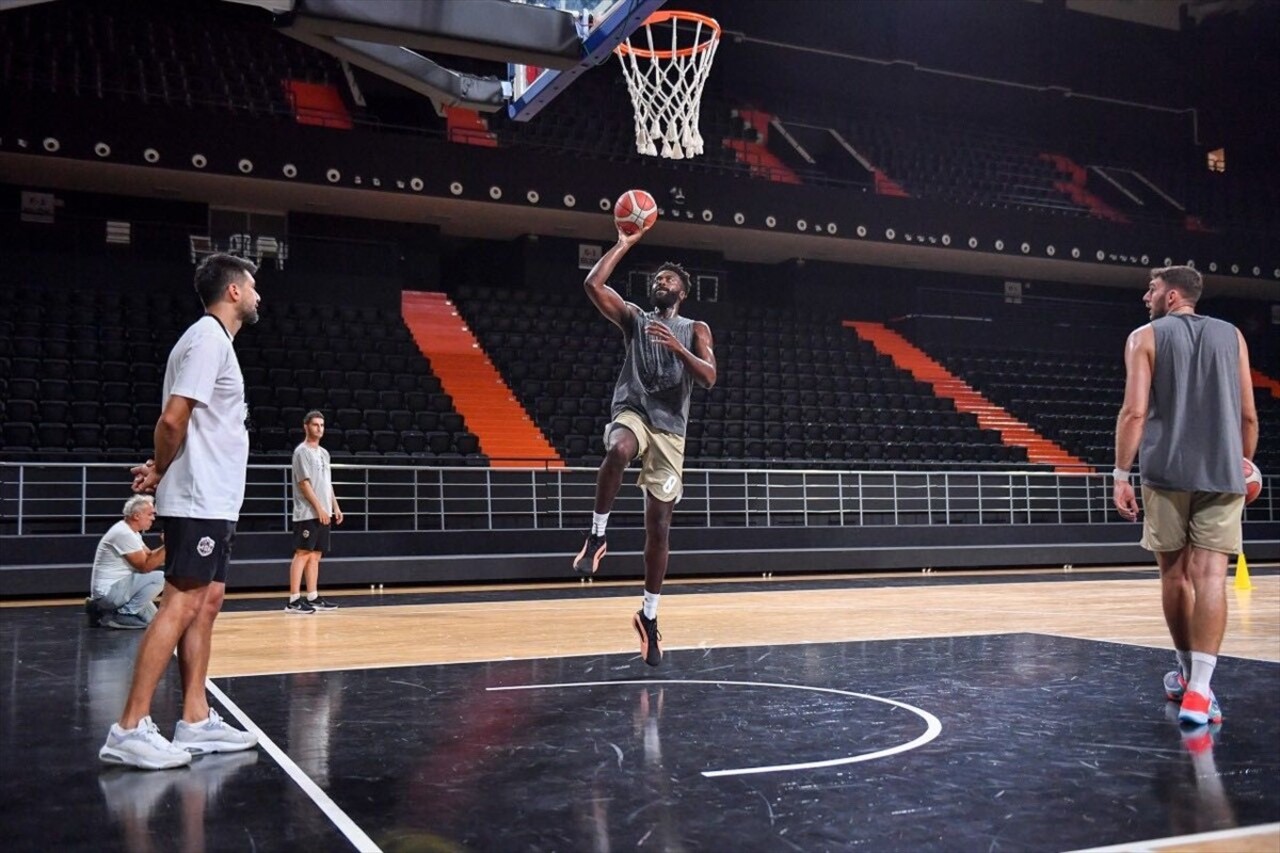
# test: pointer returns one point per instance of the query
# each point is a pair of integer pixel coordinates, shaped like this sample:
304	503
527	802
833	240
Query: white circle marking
933	727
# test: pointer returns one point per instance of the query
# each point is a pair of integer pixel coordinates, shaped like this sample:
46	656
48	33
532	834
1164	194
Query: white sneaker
213	735
142	747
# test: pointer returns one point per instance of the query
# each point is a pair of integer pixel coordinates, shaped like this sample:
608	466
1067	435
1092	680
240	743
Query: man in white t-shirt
125	580
315	509
198	476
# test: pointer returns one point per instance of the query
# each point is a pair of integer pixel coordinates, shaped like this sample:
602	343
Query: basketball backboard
544	44
602	25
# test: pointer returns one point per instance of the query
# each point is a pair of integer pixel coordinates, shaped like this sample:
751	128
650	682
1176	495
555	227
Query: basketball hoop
666	82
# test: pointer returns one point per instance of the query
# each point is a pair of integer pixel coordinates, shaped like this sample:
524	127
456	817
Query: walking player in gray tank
1189	416
666	354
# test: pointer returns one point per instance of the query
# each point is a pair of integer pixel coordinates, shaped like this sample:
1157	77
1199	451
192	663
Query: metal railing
76	498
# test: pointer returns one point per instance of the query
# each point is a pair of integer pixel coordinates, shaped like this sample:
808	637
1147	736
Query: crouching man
127	574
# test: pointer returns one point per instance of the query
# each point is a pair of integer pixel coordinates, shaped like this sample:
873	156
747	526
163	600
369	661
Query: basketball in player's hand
1252	482
634	211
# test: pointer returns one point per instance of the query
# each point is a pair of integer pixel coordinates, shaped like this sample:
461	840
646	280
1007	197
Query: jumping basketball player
1188	400
665	355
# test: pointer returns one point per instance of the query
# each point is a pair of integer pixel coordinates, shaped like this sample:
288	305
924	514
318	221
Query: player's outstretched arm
605	298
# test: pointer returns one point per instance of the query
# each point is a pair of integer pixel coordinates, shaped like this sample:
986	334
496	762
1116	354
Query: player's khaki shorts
1211	520
661	455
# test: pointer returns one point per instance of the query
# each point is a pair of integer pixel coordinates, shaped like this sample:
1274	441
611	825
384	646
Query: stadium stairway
507	434
907	356
756	155
1262	380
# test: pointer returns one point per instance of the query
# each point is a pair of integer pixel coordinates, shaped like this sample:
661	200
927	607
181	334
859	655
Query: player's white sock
312	596
1184	662
1201	671
294	597
599	521
651	604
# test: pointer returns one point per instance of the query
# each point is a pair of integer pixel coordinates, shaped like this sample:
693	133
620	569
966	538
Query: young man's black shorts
311	535
198	548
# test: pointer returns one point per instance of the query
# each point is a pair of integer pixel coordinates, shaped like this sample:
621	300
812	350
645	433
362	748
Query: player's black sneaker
650	638
593	550
301	605
320	603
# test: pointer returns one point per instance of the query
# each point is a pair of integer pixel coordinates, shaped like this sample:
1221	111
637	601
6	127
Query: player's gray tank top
654	382
1192	441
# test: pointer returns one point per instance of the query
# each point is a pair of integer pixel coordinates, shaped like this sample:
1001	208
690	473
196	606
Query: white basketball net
665	82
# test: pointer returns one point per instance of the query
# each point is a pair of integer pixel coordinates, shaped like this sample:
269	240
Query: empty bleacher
1072	397
217	56
794	389
90	390
201	56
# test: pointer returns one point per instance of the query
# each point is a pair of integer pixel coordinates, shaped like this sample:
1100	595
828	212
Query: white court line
1153	844
932	730
331	810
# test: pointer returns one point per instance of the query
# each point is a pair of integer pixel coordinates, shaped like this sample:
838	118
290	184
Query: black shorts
198	548
311	535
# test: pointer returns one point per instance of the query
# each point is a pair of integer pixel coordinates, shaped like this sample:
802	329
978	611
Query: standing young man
1188	401
315	507
198	476
665	355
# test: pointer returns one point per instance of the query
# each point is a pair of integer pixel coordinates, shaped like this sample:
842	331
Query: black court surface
1003	743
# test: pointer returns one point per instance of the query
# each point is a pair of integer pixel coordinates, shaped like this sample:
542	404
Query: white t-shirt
206	479
109	564
311	464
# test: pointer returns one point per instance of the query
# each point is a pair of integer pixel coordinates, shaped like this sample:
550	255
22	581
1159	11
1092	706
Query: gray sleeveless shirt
1191	441
654	382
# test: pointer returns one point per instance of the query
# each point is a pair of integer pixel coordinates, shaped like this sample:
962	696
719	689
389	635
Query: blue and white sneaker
1174	685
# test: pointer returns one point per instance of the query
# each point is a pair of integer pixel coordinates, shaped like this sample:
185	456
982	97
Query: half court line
331	810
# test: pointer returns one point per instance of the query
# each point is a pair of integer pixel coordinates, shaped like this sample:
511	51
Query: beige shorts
661	455
1210	520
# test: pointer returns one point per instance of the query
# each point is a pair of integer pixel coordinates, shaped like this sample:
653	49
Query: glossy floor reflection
1045	743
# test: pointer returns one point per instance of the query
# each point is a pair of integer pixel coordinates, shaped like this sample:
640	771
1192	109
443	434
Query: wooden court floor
368	667
776	611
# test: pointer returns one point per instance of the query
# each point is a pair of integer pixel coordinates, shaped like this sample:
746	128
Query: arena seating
794	389
1072	398
90	390
961	164
215	56
200	57
362	369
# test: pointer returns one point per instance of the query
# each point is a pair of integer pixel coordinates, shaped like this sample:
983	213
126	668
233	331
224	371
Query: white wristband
1120	475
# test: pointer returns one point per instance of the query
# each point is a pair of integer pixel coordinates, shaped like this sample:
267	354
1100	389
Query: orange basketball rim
664	16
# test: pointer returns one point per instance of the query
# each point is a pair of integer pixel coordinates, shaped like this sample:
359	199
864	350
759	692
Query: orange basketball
1252	482
635	210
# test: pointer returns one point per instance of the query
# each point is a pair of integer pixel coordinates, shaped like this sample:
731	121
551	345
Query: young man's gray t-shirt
311	464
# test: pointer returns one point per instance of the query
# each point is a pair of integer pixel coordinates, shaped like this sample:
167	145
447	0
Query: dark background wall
1221	66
